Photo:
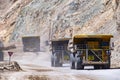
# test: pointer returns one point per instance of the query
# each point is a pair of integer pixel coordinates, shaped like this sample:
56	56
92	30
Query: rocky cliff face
9	10
64	16
53	19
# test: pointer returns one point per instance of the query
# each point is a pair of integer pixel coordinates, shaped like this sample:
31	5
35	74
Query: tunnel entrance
31	43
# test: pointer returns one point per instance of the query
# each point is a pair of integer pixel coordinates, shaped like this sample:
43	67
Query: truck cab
59	52
90	50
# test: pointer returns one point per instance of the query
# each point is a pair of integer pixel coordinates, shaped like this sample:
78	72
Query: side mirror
112	46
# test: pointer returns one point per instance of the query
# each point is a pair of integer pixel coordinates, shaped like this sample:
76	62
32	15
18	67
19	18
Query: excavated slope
53	19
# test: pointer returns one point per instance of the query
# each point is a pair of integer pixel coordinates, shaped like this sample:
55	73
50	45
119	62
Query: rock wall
57	16
9	10
53	19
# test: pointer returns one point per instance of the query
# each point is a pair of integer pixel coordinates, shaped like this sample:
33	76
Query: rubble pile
12	66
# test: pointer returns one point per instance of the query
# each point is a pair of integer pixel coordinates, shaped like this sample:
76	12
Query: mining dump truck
90	50
31	43
60	54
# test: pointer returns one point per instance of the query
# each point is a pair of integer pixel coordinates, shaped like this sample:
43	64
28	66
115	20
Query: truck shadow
115	68
103	69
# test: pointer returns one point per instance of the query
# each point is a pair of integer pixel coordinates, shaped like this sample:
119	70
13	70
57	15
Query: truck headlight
108	52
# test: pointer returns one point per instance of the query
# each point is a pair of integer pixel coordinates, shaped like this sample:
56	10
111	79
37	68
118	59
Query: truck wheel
57	61
78	65
52	60
78	62
106	66
72	61
96	67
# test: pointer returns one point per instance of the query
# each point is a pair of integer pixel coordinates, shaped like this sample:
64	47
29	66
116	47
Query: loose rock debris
13	66
36	77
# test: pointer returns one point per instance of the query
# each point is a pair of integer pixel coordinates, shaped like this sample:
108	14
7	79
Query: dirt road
36	72
38	67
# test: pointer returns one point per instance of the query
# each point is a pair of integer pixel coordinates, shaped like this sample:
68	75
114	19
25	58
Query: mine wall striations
53	19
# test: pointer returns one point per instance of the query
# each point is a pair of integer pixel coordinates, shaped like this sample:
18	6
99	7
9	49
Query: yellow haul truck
90	50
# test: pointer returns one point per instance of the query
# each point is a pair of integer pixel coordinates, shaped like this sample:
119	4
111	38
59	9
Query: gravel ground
39	69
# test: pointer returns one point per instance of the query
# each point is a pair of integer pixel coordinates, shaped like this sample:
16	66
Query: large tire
52	60
72	61
107	66
78	62
96	66
57	60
